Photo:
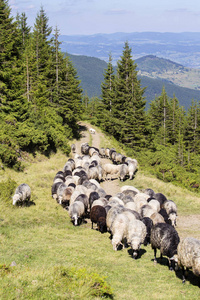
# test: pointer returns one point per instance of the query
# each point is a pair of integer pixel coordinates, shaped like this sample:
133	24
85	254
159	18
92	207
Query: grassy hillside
54	260
90	71
159	68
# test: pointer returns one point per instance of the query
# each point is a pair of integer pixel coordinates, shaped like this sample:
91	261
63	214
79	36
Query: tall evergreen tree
107	87
175	128
40	56
158	114
129	103
12	100
70	94
192	137
23	27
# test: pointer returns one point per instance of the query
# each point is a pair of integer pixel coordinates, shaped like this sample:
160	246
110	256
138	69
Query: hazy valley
182	48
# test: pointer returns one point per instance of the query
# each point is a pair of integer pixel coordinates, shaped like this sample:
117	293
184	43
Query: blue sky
109	16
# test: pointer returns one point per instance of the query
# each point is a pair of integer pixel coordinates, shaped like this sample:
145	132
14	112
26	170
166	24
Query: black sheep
67	173
149	192
165	237
98	216
149	223
93	196
163	212
161	198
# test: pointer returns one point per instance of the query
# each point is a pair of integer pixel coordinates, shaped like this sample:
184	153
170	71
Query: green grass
55	260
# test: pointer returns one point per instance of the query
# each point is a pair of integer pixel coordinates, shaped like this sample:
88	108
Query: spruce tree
23	27
107	87
70	94
40	57
192	136
175	129
129	104
12	100
158	114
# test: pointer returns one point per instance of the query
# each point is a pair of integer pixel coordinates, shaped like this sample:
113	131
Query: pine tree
158	114
12	100
40	57
107	86
175	129
129	104
192	136
70	94
23	28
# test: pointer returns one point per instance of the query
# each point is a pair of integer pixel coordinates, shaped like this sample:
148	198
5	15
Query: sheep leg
155	260
92	225
183	274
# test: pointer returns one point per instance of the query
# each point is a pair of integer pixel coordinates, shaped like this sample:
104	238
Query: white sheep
107	152
74	195
131	205
73	148
132	167
146	211
61	195
119	230
100	201
76	211
189	255
115	201
136	233
111	215
129	187
93	151
110	169
123	172
94	181
102	152
171	210
140	199
81	189
22	194
95	173
157	218
155	204
92	130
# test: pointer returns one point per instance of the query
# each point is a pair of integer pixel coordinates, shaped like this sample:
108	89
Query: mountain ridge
182	47
90	71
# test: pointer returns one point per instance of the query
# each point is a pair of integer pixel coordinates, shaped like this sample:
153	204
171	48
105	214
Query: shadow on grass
25	204
189	277
140	253
162	261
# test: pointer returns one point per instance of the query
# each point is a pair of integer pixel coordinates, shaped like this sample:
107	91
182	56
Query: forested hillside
90	71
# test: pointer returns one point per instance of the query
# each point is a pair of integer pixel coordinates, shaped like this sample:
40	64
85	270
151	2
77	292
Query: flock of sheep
132	217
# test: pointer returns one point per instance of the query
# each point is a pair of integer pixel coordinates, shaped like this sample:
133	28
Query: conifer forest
41	101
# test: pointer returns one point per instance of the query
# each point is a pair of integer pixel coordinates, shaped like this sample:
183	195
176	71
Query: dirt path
186	225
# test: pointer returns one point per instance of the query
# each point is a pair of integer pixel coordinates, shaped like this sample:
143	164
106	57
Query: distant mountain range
90	71
182	48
